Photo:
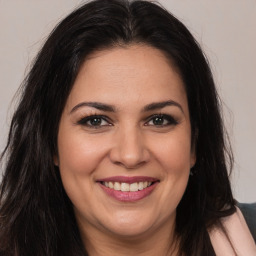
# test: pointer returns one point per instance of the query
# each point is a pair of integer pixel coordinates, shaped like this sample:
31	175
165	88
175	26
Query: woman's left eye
161	120
94	121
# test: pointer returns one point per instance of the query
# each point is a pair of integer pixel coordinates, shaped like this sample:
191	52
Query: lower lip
129	196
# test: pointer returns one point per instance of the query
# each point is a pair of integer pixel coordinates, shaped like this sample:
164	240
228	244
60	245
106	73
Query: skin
128	143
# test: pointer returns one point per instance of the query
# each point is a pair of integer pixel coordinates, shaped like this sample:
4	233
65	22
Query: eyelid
85	119
171	120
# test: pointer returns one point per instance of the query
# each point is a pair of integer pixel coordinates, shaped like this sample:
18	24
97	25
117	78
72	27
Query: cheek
174	154
77	164
174	157
79	157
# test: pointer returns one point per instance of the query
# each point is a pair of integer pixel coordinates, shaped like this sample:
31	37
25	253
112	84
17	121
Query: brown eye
161	120
158	120
94	121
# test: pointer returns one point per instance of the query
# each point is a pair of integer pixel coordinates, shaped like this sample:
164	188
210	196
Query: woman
117	146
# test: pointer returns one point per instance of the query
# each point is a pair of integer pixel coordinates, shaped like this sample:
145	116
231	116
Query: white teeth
141	185
126	187
110	184
117	186
134	187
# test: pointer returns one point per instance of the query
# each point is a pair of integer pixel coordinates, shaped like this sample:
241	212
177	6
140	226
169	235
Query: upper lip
127	179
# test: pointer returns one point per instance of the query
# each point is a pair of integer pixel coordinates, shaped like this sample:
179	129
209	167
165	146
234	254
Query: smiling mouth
126	187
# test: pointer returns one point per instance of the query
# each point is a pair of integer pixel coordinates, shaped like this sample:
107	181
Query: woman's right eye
94	121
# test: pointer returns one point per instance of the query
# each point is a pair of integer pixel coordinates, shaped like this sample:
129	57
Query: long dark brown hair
36	216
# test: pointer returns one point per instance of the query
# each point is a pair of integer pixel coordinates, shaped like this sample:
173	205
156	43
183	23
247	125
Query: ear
192	157
193	149
56	160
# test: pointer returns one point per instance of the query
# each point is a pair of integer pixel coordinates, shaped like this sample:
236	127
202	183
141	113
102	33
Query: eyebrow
97	105
162	104
110	108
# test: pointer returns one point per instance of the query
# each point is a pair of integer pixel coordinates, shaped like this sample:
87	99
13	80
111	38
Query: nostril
129	150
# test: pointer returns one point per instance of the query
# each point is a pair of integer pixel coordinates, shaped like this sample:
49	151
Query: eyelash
170	120
84	121
167	119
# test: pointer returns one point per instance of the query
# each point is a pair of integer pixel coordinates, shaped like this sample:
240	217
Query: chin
129	231
130	224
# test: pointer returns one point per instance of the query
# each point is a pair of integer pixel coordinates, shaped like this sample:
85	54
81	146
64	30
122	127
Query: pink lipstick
128	189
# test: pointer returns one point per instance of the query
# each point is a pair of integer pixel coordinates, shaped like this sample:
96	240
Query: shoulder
249	213
236	239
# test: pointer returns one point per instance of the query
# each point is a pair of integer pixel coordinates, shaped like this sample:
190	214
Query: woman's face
124	142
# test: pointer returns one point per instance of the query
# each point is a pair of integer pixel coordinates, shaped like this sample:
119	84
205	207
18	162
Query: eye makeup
94	121
97	121
161	120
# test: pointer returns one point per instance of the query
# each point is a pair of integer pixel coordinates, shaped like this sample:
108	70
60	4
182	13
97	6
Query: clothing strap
239	242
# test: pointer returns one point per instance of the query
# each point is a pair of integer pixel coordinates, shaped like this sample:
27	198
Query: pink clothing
239	235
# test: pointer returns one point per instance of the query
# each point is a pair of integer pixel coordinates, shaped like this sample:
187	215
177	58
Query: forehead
136	73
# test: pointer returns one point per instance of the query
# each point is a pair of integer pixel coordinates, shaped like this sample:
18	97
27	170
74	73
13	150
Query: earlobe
192	163
193	149
192	159
56	160
193	156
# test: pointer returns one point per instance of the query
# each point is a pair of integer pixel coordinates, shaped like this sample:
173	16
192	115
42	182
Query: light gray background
226	29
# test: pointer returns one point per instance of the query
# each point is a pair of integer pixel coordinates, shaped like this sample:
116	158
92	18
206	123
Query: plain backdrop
226	30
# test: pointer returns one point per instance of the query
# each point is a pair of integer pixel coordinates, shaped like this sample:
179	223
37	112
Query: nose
129	149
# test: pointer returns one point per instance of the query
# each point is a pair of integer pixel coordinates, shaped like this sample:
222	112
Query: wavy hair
36	215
